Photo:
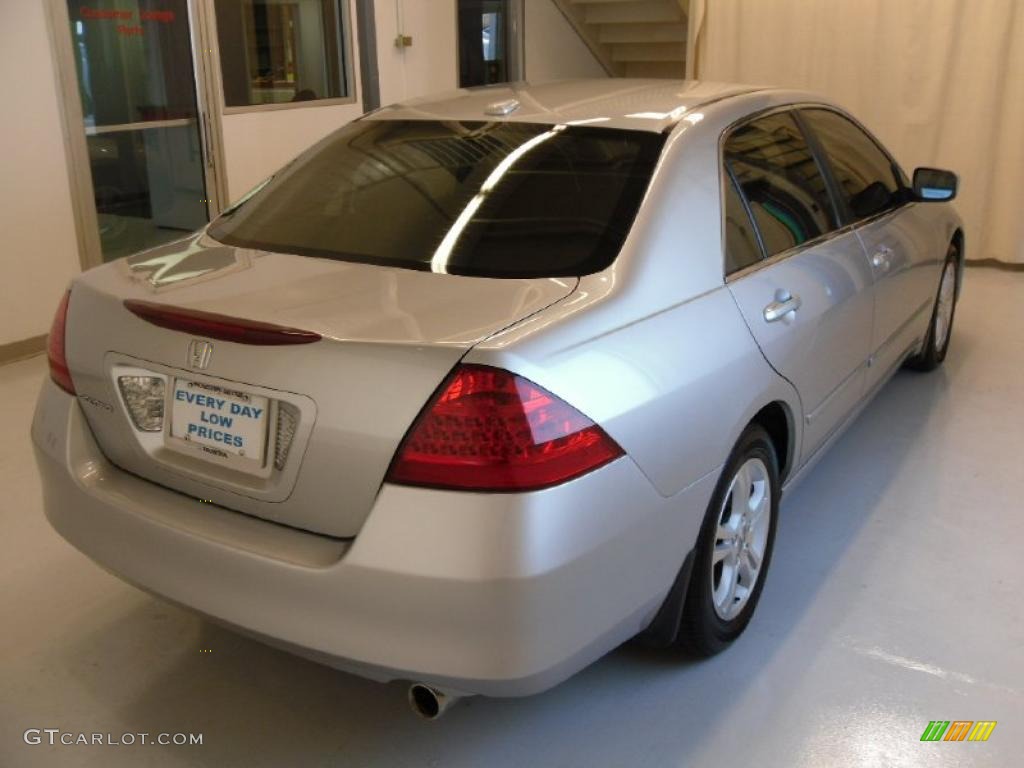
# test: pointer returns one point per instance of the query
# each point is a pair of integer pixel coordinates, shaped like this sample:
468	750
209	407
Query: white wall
430	64
39	252
553	49
258	143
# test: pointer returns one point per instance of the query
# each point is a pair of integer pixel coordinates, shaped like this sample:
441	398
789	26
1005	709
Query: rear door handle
784	304
881	258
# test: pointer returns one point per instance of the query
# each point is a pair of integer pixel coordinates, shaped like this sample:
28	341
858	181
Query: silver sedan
481	386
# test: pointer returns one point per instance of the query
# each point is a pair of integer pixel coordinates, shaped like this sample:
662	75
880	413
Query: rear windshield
468	198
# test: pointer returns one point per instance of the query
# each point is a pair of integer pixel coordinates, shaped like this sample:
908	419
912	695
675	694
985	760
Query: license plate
223	422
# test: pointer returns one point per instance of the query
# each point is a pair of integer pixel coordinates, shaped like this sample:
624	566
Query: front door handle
784	304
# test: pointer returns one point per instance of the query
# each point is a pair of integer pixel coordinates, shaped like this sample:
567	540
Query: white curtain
941	82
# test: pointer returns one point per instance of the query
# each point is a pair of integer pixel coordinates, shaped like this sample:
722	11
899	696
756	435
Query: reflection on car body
534	366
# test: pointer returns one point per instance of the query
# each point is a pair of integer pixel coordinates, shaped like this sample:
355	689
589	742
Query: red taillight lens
55	347
490	430
214	326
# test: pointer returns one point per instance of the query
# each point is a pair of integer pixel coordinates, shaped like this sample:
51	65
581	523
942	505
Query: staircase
632	38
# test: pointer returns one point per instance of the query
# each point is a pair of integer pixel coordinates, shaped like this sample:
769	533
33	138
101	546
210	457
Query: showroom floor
894	599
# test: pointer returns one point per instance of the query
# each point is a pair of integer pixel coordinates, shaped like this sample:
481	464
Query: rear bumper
495	594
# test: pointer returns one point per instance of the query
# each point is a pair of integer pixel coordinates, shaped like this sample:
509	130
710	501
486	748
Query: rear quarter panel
674	389
654	348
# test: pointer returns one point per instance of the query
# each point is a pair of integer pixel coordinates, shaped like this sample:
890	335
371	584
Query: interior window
275	51
867	177
780	179
741	246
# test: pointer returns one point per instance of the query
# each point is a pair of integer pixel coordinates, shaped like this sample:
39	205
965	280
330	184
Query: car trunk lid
388	338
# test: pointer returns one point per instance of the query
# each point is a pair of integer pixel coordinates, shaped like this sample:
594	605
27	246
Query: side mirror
934	185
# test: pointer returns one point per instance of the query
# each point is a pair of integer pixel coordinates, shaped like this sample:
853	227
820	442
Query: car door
807	301
872	192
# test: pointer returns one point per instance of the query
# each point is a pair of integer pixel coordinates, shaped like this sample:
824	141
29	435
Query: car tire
724	585
940	328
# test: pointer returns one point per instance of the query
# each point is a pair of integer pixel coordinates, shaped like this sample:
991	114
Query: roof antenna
502	108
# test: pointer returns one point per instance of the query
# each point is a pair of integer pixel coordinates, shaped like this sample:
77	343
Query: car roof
649	105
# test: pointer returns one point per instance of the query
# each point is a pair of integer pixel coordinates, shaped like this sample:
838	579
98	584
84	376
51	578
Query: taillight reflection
489	430
55	344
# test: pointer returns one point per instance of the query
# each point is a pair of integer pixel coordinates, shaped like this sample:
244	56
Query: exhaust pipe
429	702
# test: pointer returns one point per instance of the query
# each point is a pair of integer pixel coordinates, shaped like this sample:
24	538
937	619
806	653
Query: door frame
208	118
516	43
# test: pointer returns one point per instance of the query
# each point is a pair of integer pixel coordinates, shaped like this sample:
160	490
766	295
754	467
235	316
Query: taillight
215	326
489	430
55	347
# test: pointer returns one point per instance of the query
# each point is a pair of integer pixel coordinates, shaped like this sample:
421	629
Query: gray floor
894	599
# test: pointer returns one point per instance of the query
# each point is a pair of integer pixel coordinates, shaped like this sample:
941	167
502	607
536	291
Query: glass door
490	41
146	129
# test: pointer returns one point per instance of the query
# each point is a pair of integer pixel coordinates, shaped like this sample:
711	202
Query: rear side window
867	177
780	179
741	246
469	198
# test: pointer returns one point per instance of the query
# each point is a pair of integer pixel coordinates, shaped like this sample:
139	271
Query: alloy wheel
944	310
741	538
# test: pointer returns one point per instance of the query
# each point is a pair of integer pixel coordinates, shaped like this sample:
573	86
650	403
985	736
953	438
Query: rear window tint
470	198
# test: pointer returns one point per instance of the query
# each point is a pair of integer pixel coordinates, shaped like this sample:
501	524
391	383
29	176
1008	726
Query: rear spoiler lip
211	325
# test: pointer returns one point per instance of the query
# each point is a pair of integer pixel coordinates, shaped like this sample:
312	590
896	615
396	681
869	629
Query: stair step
675	70
633	12
649	52
642	33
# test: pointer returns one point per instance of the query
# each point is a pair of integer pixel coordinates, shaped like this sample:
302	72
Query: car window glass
741	246
491	199
781	181
866	176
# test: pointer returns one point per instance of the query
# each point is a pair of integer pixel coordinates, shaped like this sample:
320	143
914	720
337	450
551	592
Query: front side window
471	198
867	178
780	179
274	52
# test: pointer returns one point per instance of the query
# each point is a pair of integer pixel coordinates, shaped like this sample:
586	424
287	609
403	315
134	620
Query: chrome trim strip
821	239
99	130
